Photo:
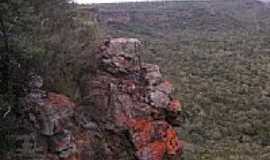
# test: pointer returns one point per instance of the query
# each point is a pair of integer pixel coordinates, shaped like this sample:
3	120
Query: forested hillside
217	54
69	93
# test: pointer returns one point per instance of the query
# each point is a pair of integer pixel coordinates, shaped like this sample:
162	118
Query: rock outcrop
123	115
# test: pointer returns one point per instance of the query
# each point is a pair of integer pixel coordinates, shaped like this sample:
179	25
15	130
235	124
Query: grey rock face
159	99
152	74
127	47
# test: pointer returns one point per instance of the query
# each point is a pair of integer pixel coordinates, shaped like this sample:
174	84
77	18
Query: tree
44	37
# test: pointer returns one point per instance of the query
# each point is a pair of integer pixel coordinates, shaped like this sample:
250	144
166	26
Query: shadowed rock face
123	114
51	115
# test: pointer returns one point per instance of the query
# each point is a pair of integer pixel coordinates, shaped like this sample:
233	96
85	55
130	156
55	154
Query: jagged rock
175	106
51	114
116	65
165	87
152	74
84	119
160	96
153	139
119	55
62	144
121	115
128	96
153	151
127	47
36	82
50	110
159	99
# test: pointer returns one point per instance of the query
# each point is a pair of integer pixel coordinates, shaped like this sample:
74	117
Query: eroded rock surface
132	96
122	116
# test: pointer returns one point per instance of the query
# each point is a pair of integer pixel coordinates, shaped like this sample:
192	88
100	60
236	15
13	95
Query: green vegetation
42	37
217	54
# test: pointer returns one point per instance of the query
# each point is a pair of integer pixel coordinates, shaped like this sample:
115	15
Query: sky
111	1
103	1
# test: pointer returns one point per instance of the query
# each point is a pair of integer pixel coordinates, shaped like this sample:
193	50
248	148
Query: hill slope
217	54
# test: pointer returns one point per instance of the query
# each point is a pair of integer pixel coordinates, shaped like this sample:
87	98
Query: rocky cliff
126	112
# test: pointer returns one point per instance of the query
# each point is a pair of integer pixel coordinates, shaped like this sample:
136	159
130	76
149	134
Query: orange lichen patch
175	106
59	100
153	151
173	144
142	133
153	139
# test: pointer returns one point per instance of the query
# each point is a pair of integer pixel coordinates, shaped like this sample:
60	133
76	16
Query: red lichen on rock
124	121
152	139
153	151
173	144
124	95
168	82
59	100
142	133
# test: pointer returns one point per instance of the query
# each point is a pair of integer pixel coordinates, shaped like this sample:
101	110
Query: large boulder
128	95
123	114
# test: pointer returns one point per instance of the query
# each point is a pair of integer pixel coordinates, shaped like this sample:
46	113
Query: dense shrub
42	37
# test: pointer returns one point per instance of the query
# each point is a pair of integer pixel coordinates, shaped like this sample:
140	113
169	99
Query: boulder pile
123	114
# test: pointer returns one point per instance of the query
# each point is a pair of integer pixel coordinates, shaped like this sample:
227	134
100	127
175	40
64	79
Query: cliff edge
126	111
